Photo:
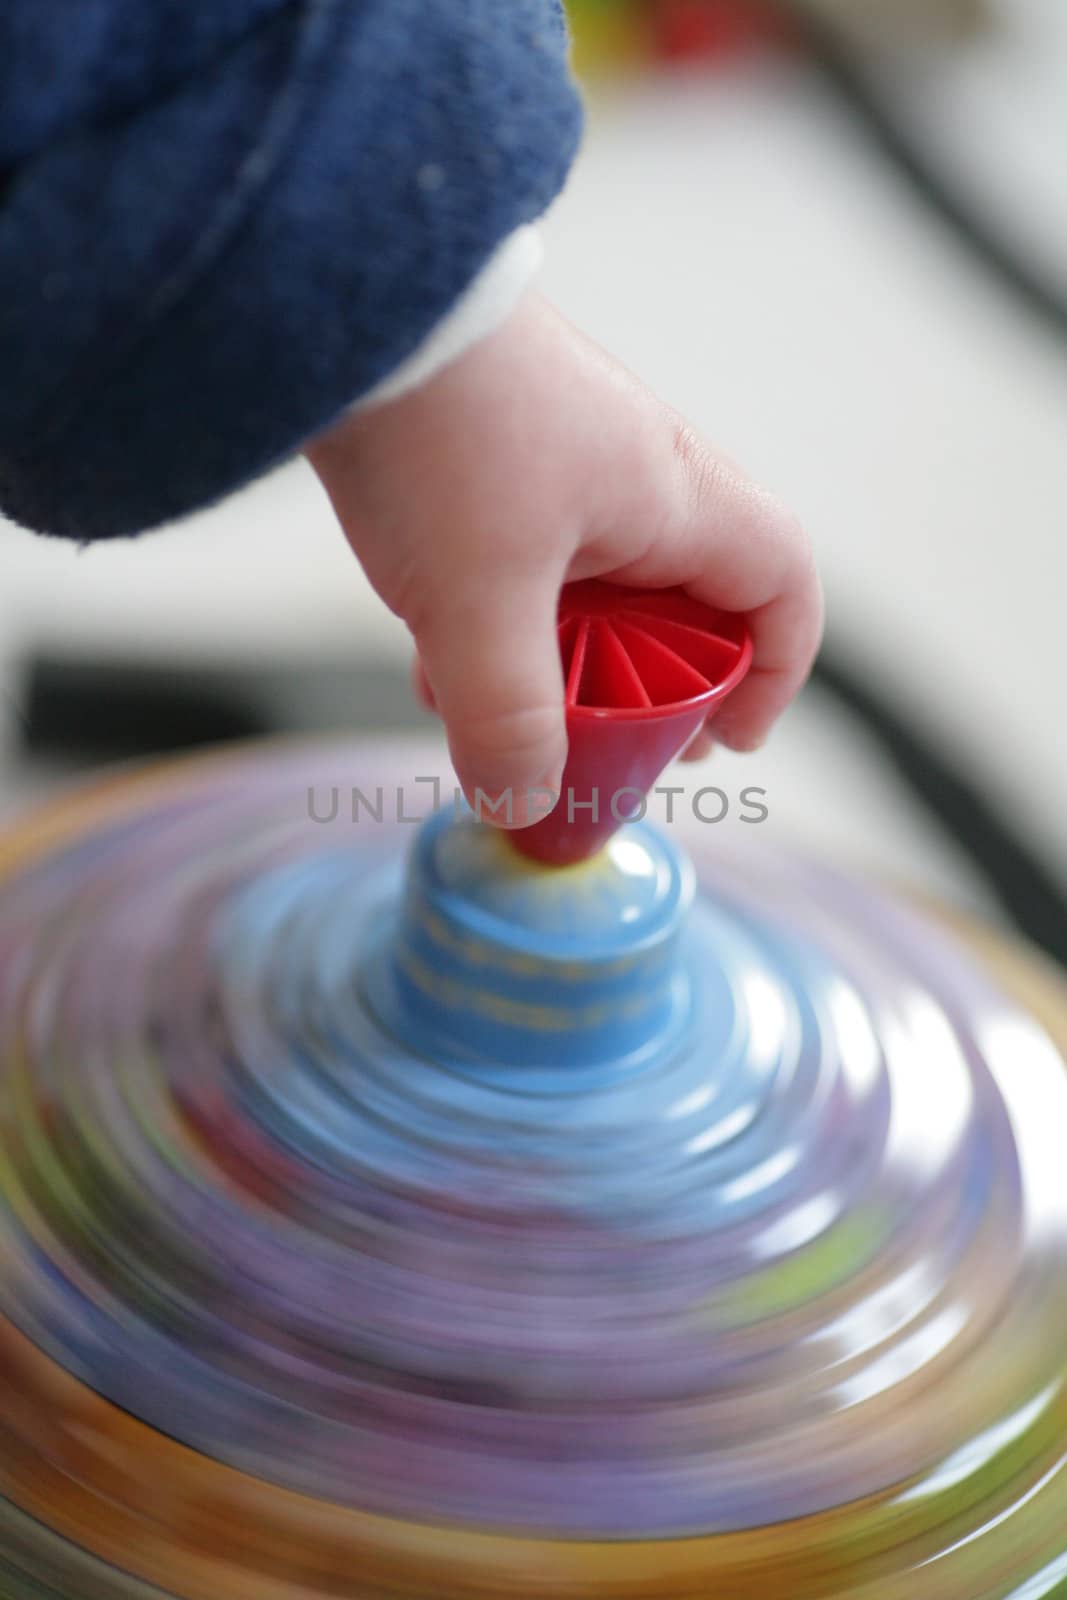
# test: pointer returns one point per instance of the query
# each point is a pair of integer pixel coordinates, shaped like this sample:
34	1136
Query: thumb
491	656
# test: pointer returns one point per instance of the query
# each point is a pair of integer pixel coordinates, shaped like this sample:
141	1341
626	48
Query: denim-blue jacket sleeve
223	221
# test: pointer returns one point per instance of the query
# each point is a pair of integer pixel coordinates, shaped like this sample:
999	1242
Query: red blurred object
685	30
644	670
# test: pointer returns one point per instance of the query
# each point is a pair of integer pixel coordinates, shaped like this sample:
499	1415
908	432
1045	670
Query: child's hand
535	459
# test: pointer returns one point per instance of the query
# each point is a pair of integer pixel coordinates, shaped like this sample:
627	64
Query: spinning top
642	672
387	1214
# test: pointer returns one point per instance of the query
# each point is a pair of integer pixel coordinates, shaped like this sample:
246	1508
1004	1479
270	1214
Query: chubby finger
731	545
420	684
490	654
700	745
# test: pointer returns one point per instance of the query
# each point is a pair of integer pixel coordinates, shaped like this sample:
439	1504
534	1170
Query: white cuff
482	308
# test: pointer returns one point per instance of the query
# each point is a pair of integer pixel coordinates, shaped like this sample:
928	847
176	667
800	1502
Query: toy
620	34
613	34
642	673
386	1213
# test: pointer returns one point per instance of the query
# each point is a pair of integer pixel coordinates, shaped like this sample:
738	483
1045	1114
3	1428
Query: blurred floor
737	243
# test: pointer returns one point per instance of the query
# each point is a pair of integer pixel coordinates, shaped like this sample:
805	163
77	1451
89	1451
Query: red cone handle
643	670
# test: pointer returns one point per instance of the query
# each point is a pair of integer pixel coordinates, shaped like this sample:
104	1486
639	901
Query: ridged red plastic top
633	653
644	669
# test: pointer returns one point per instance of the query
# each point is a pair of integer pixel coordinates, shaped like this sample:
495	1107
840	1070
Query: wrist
484	307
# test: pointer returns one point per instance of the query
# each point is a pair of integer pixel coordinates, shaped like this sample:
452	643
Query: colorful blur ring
311	1287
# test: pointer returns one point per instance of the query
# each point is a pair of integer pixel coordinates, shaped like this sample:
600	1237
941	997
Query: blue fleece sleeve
222	221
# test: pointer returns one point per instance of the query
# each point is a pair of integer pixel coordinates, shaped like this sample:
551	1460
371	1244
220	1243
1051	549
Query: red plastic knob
644	670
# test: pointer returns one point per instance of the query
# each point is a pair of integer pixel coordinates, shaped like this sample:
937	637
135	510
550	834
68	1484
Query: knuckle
701	471
784	526
402	585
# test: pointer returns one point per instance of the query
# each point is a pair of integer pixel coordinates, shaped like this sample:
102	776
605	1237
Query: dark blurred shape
118	709
1027	886
849	63
894	22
